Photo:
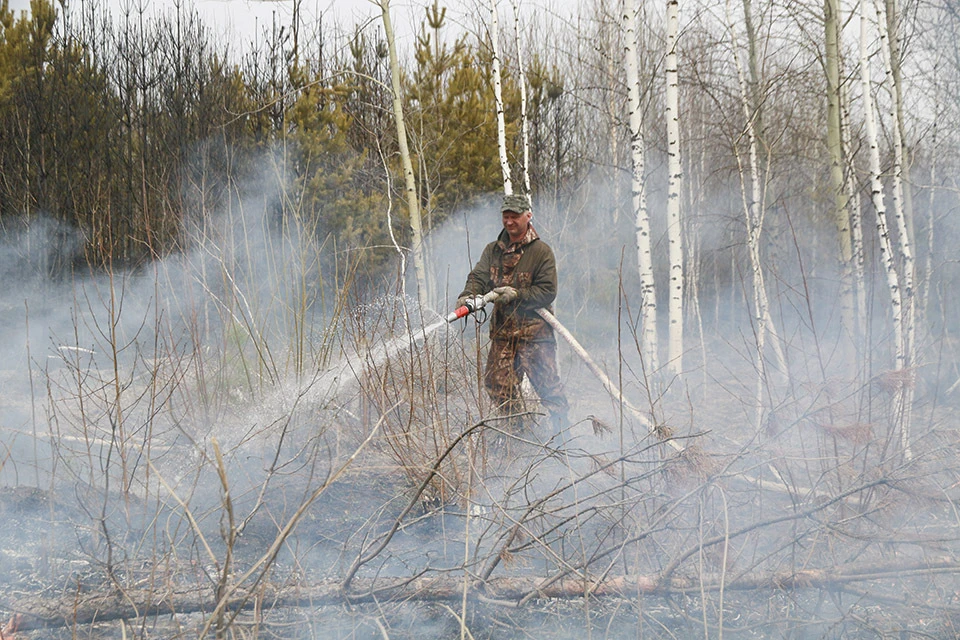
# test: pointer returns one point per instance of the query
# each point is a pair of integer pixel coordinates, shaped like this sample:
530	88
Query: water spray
472	305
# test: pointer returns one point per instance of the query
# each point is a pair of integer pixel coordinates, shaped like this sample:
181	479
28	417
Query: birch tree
856	217
410	186
877	196
841	214
754	209
904	230
759	175
498	95
675	171
895	49
524	121
608	36
648	303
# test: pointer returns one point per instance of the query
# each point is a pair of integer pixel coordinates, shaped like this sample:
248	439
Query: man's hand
462	300
506	295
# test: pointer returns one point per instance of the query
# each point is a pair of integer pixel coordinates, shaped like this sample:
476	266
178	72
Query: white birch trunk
675	184
410	187
753	207
524	123
750	87
693	185
890	46
498	96
613	107
895	41
648	308
856	220
876	189
923	288
899	214
841	215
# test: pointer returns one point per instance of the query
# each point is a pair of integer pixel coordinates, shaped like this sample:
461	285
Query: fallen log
83	608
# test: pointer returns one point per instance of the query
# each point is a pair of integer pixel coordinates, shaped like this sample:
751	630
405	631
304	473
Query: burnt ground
815	525
35	530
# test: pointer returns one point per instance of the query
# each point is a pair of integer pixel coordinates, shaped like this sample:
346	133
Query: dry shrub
418	391
895	380
507	557
600	428
855	433
691	464
663	431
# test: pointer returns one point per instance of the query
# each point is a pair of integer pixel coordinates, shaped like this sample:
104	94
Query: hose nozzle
471	305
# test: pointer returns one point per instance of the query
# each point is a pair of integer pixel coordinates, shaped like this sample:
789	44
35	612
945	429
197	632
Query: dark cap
515	202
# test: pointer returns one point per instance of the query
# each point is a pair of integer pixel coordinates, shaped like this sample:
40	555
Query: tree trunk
608	384
524	122
648	291
613	111
856	219
86	608
675	185
410	186
498	95
893	31
754	213
876	189
841	215
906	364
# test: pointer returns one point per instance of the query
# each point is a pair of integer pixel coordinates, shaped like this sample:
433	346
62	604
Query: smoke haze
242	415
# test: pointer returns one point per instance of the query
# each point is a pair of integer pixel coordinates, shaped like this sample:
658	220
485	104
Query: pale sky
244	19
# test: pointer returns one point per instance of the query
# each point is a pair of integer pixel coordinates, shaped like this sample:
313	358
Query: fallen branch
617	395
41	612
611	388
363	556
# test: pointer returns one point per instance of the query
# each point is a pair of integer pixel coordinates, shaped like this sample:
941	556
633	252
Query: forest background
203	243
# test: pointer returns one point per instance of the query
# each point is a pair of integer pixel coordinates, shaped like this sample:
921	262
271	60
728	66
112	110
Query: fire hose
479	302
779	485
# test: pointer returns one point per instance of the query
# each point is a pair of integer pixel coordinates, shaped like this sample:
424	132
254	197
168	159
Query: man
522	269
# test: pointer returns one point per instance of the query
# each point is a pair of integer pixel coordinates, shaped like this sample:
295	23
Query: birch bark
754	209
841	214
410	187
905	360
614	119
674	187
923	287
899	214
524	123
876	190
895	47
648	303
498	96
856	219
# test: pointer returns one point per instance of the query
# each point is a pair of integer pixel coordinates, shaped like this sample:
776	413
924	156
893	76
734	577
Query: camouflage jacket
528	266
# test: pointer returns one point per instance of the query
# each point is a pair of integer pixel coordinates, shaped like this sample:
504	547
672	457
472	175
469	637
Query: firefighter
522	269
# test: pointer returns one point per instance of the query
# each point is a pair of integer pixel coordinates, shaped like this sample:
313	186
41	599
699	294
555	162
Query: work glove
462	300
506	295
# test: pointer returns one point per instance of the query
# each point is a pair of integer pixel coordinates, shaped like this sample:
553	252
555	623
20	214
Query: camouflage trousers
509	360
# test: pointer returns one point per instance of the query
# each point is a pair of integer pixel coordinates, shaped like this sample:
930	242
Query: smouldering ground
814	524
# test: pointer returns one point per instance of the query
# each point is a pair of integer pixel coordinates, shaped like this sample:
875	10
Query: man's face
516	224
